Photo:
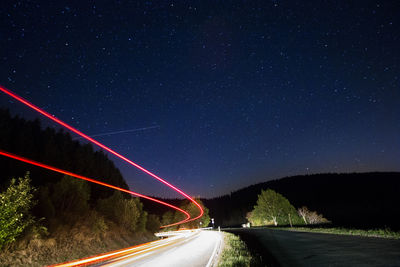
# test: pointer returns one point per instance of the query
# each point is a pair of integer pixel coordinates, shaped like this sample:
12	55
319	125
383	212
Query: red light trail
135	251
9	155
53	118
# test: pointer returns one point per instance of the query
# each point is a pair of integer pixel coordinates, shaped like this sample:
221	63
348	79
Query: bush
71	195
15	205
127	213
142	221
168	218
153	223
99	225
45	207
193	210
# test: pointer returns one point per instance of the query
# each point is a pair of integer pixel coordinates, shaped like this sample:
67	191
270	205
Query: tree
127	213
303	212
311	217
71	195
273	207
167	218
56	148
142	221
193	210
15	205
45	207
153	223
255	219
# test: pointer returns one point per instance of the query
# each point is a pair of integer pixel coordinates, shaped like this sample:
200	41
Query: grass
235	252
382	233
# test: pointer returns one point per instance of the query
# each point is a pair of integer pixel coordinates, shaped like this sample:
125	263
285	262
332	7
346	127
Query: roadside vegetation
382	233
171	217
76	229
356	200
235	252
48	218
15	206
273	209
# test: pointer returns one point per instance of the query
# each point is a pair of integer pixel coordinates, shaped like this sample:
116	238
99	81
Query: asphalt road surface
177	248
194	249
287	248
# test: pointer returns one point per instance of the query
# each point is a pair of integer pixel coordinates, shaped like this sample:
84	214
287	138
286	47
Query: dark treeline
66	217
57	197
55	148
355	200
362	200
159	209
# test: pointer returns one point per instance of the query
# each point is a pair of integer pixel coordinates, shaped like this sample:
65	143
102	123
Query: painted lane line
114	254
136	256
210	261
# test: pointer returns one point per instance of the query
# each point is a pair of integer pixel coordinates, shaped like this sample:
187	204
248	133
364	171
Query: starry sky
214	95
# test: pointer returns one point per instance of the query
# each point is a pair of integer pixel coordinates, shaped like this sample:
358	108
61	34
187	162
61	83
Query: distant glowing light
53	118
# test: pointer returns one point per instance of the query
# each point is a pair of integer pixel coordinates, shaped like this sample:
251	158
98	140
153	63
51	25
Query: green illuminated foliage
272	208
170	217
193	210
15	205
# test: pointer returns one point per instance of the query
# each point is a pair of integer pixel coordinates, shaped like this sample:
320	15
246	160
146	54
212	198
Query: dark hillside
159	209
58	217
352	200
56	148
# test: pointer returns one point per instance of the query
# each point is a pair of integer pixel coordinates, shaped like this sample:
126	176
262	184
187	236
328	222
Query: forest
56	148
39	205
56	204
69	217
362	200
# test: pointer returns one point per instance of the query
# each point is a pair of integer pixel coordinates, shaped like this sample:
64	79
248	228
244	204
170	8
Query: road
180	248
287	248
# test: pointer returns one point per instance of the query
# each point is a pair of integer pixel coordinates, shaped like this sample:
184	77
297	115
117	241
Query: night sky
214	95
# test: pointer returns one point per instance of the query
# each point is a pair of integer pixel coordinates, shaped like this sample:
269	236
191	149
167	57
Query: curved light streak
32	162
138	251
53	118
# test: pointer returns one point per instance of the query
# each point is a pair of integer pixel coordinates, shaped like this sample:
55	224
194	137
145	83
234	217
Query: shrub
15	205
168	218
142	221
127	213
153	223
71	195
193	210
99	225
45	207
311	217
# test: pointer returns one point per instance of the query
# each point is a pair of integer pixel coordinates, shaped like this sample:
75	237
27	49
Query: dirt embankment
68	243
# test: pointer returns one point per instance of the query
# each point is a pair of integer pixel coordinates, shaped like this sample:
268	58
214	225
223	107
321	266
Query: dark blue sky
242	91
